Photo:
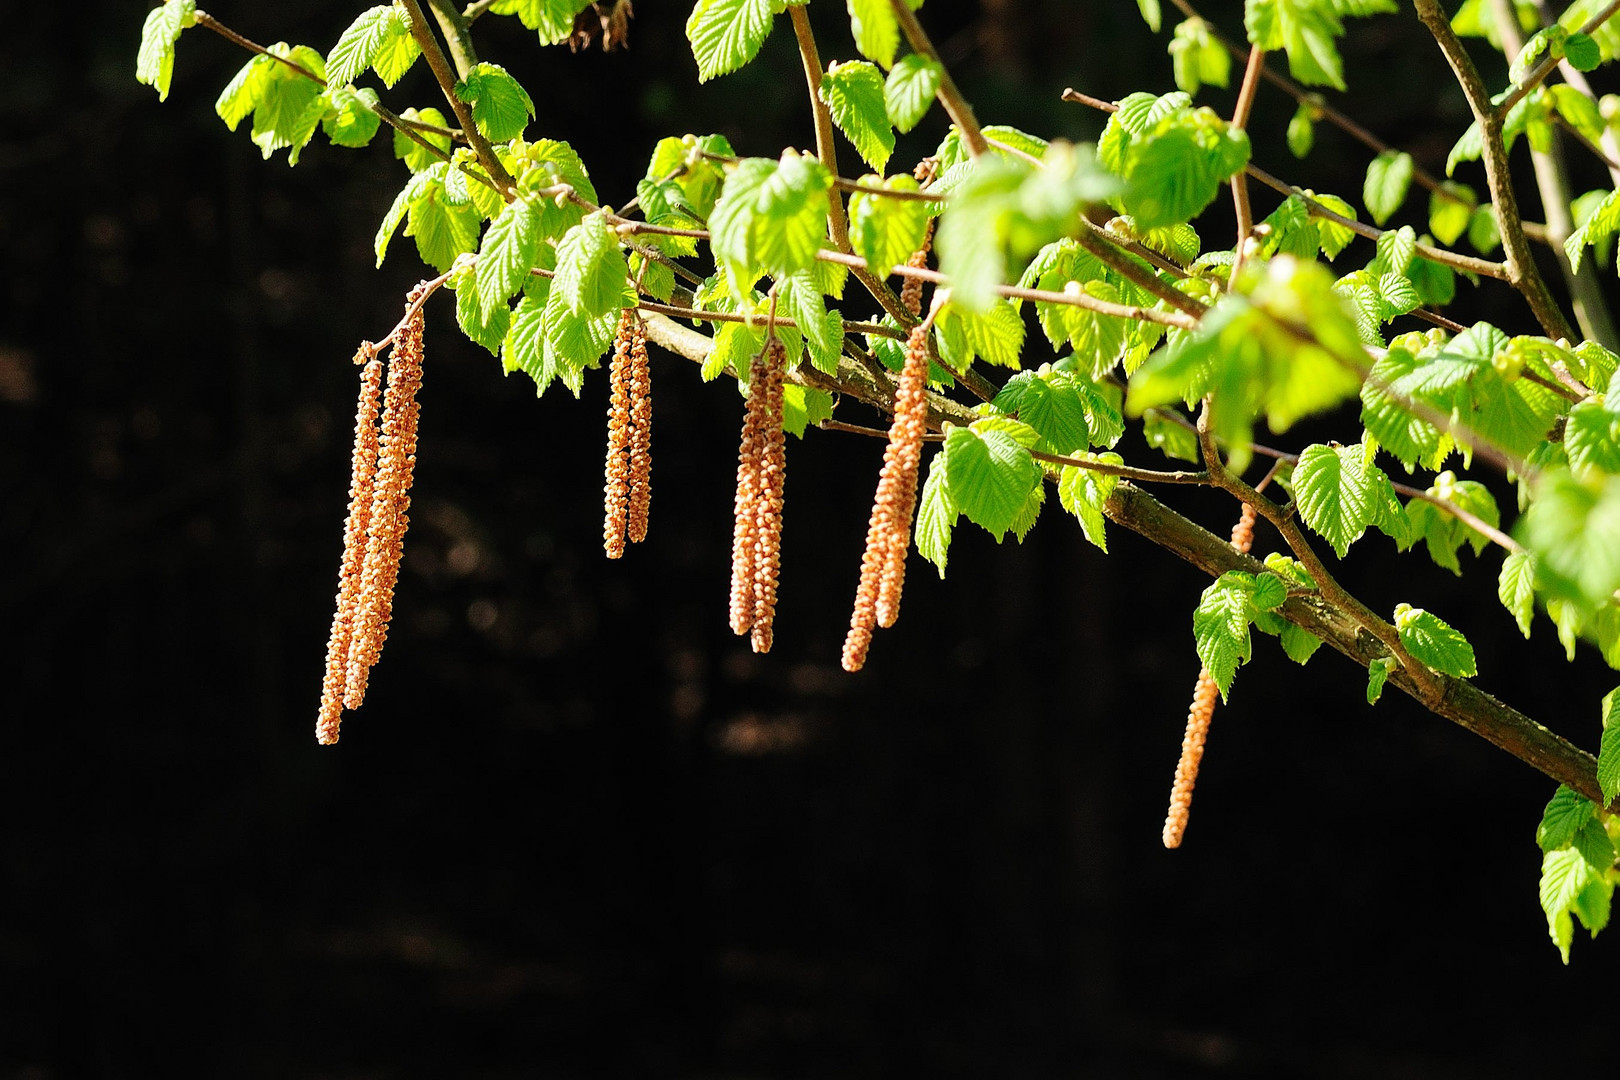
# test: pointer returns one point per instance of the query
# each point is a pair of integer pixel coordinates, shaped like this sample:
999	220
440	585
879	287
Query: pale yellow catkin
391	499
772	449
888	532
1199	715
362	474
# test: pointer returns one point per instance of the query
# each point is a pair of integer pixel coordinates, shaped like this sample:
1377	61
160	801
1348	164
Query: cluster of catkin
1198	718
911	289
756	539
888	534
627	493
383	461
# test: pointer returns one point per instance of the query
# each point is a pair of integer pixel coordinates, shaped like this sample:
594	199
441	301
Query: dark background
578	830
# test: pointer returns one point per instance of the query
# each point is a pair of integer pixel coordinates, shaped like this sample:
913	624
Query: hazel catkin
772	474
616	486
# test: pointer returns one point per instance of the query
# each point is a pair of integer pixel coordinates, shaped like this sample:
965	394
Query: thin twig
956	106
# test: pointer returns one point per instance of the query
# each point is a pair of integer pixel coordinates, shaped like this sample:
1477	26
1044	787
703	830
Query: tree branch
956	106
440	66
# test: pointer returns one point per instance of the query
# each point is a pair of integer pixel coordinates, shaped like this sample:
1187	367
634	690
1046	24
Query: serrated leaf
1331	488
1052	405
575	339
1030	512
1306	29
1563	876
1197	58
1082	492
1592	439
486	327
1573	529
395	51
241	94
350	119
803	406
442	230
510	248
1515	587
591	271
883	231
1221	627
1563	817
552	19
417	157
1300	644
726	34
501	108
1377	674
853	93
1170	438
359	43
989	477
1608	770
1434	642
1451	205
525	345
876	30
154	63
1389	175
909	90
936	516
1593	842
1269	591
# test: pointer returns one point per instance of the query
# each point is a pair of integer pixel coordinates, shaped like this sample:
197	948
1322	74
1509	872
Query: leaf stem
1240	182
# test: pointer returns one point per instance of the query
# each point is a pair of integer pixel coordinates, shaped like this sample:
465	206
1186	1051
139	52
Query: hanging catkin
362	474
616	487
1199	715
391	498
911	289
888	533
772	473
745	527
640	508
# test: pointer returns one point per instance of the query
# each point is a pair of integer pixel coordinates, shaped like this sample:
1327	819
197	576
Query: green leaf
511	246
553	19
876	30
1377	674
1051	403
726	34
486	327
575	339
1170	438
771	215
1331	487
1301	135
1592	438
989	476
1566	812
1593	842
1582	52
442	229
416	156
350	119
936	515
501	108
1573	530
154	63
1177	168
591	272
853	93
241	94
1389	175
1599	225
525	344
1433	642
909	90
1197	58
1221	627
803	406
1300	644
1515	588
1306	29
883	231
1150	13
396	213
360	42
1451	205
1608	770
1563	875
1082	492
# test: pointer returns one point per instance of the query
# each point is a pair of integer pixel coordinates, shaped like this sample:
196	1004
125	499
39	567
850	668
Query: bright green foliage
1577	875
1098	340
854	96
416	156
1599	226
1221	621
351	118
936	515
1377	674
487	327
1515	587
799	299
1301	134
1307	29
876	30
771	216
803	406
1592	439
1082	492
1433	642
989	476
1340	492
909	90
1004	208
1389	175
1060	405
1287	349
442	227
553	19
1608	771
1573	529
995	334
1477	18
510	247
726	34
886	231
1566	814
1198	58
500	107
286	106
1443	533
1450	208
154	64
375	32
1173	158
591	273
1169	437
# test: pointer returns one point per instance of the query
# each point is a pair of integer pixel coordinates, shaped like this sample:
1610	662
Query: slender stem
1240	182
1124	472
473	10
440	65
677	312
1104	247
1522	272
956	106
454	26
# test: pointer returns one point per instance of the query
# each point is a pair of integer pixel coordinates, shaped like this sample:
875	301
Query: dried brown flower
888	533
362	473
745	530
391	498
1199	715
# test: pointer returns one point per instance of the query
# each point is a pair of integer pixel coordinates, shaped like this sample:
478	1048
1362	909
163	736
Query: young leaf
1307	29
1300	644
909	90
1515	587
726	34
1433	642
1301	134
1150	13
989	476
525	344
1592	438
154	64
853	93
1221	626
591	272
1563	875
350	120
876	30
1388	177
1197	58
1608	770
883	231
1377	675
803	406
416	156
553	19
486	327
360	42
1331	488
442	229
501	108
1082	492
511	246
1566	812
936	515
1451	205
